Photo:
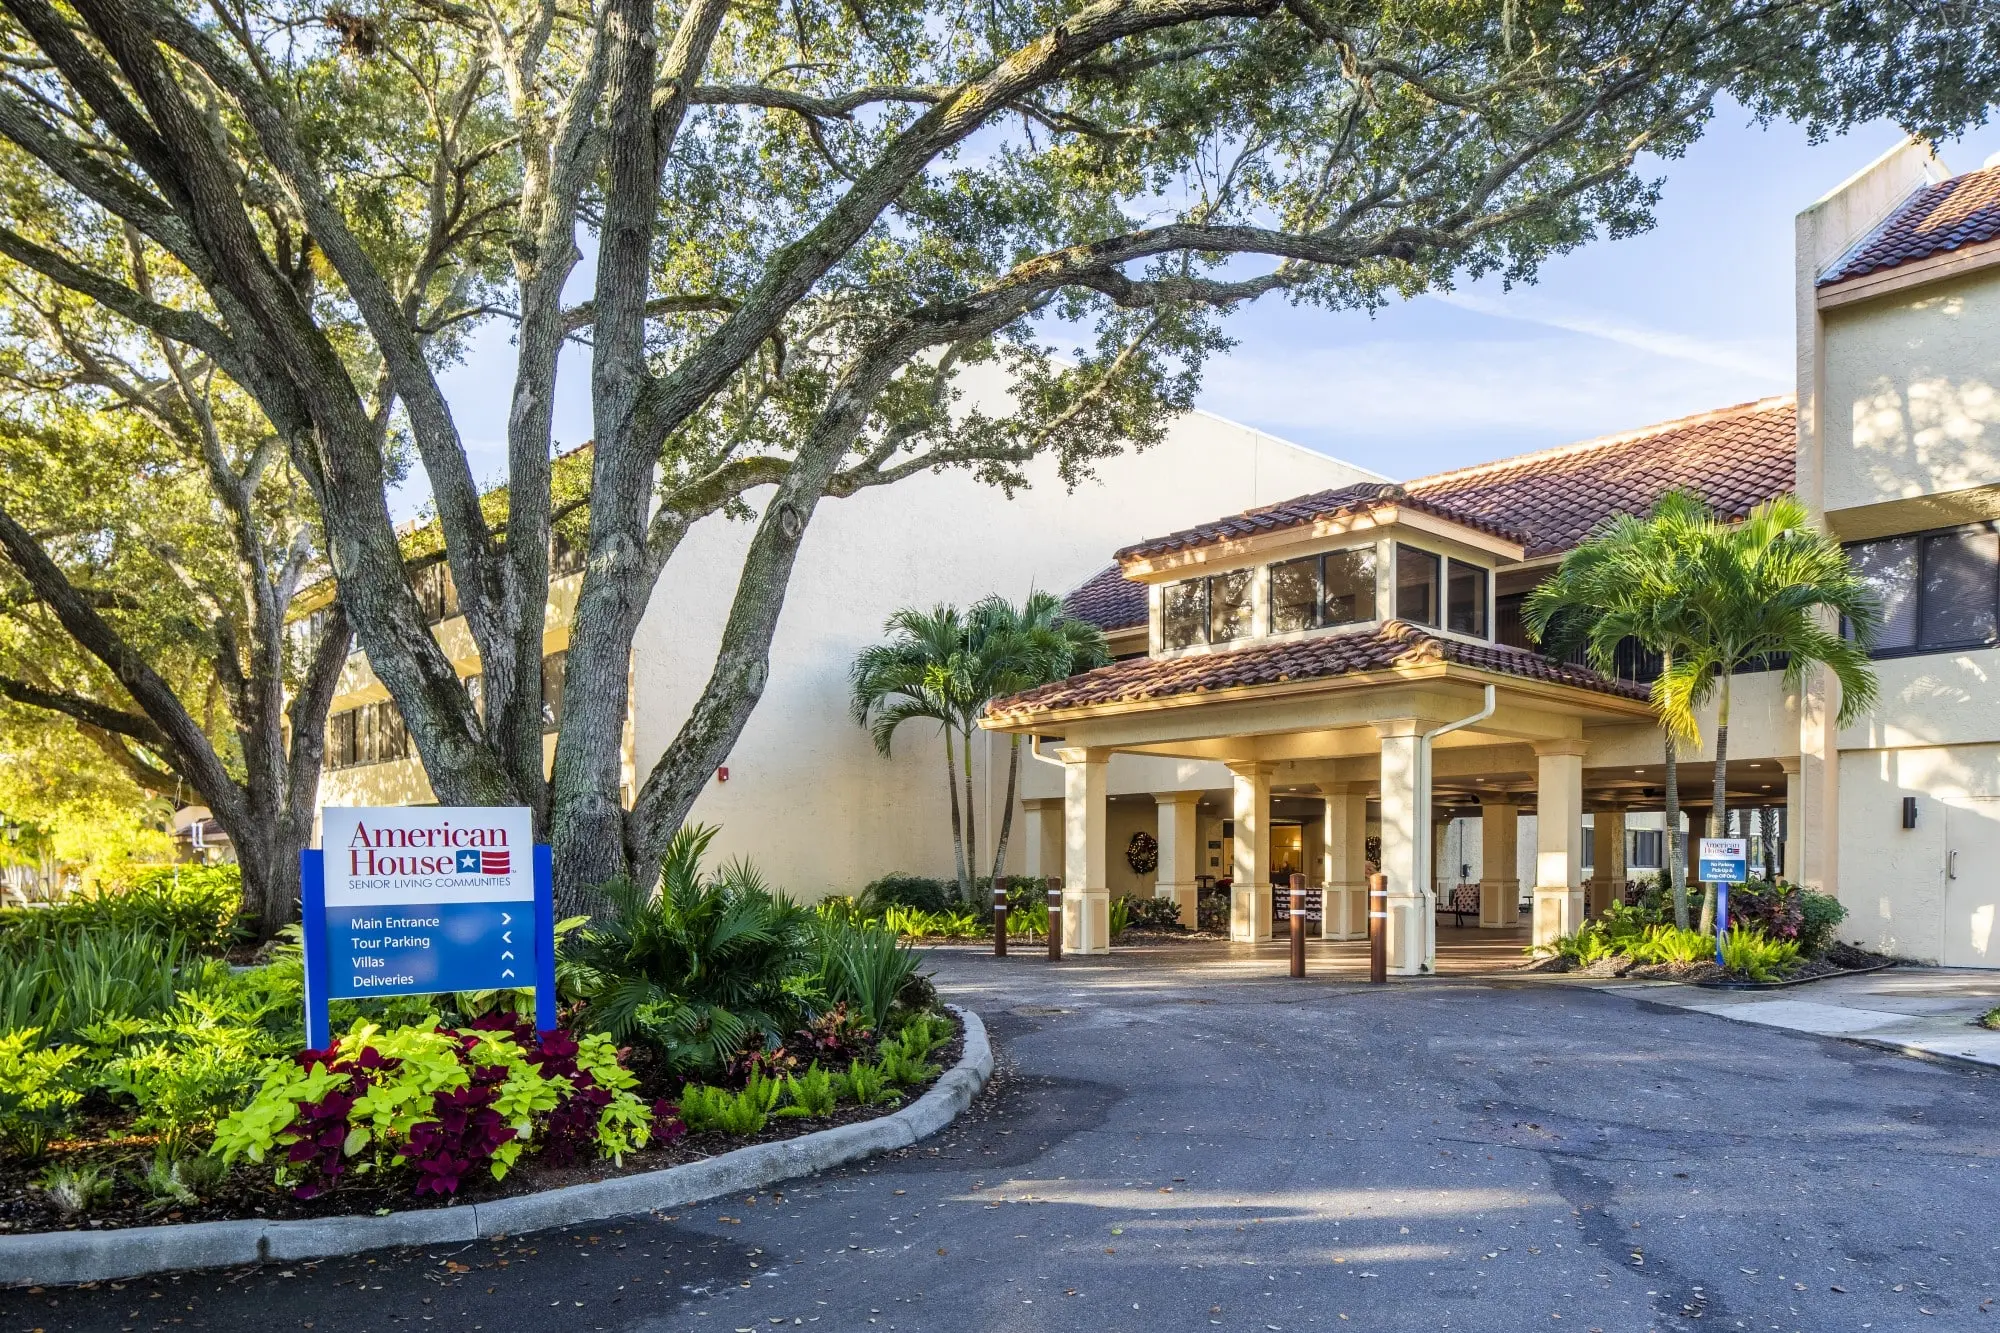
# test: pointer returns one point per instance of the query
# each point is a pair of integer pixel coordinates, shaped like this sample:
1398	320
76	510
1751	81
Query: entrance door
1972	883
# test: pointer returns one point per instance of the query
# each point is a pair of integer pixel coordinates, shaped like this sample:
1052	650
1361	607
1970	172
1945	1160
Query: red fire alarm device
722	774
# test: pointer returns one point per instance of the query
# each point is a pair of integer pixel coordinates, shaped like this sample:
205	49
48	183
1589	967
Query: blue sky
1695	314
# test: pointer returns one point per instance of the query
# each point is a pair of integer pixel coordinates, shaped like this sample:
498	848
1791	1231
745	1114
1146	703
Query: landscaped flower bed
1777	932
142	1082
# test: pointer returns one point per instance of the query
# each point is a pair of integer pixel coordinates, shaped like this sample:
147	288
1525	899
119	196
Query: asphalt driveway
1193	1147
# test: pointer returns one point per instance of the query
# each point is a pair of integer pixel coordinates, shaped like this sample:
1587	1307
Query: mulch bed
248	1192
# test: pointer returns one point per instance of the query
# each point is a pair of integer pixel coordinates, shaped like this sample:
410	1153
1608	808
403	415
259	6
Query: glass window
1938	590
1465	599
1890	569
1230	608
340	739
1417	576
1958	596
1350	586
1295	595
1184	614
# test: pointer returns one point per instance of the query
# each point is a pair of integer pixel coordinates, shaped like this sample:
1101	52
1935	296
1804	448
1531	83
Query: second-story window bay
1334	588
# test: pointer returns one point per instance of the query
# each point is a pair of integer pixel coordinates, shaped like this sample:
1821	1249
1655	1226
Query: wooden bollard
999	922
1378	928
1298	926
1055	920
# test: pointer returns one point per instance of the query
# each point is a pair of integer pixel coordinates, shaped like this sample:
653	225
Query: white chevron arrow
508	955
506	918
508	973
507	936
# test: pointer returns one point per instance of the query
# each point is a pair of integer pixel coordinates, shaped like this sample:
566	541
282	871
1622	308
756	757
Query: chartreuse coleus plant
443	1102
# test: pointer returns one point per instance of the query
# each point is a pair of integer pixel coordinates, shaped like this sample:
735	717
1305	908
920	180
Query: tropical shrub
1119	916
441	1104
813	1094
914	923
1211	913
1820	915
198	905
67	976
865	1084
1668	944
918	891
863	967
1749	953
1152	914
39	1092
697	968
75	1190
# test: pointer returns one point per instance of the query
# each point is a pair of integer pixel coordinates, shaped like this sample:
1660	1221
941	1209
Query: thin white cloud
1745	358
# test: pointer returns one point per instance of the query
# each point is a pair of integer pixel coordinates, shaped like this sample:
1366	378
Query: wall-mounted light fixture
1909	812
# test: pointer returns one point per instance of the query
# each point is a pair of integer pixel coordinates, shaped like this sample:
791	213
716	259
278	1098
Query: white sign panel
427	854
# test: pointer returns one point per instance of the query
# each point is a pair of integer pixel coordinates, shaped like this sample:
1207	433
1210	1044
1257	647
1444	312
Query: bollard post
1378	928
999	922
1055	919
1298	926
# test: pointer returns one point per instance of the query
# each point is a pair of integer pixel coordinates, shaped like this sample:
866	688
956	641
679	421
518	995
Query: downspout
1426	872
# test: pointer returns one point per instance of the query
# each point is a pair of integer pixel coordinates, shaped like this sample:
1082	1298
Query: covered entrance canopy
1424	722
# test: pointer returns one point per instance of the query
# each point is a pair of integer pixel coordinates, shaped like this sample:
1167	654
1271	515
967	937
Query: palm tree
1771	586
1629	582
1018	648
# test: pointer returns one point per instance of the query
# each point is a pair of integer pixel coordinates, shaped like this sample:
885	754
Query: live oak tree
802	219
157	537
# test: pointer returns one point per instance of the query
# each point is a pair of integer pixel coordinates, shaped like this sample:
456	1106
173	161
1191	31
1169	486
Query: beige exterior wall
809	799
1899	430
1912	402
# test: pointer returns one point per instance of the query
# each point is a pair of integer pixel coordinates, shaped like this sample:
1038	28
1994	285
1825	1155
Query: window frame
1249	576
1485	604
1318	562
1199	583
1437	586
1919	648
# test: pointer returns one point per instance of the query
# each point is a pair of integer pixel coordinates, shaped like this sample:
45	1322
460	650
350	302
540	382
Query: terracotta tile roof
1108	600
1395	643
1735	458
1964	210
1359	498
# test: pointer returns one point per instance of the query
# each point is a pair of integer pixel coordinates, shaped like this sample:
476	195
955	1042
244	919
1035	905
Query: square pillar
1558	838
1042	838
1086	915
1499	884
1789	846
1607	859
1180	851
1250	878
1697	829
1344	864
1405	847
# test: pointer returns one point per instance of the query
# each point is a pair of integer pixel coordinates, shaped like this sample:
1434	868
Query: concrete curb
54	1258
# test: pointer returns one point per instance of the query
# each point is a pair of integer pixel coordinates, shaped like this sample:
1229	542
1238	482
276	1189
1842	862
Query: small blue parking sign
412	900
1724	861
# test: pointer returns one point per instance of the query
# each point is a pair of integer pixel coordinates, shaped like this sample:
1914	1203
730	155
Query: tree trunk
1718	815
968	884
1007	810
957	822
1676	849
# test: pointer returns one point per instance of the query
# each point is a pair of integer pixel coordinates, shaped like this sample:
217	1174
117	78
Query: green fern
811	1095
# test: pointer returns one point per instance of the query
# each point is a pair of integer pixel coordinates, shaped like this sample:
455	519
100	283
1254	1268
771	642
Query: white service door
1972	883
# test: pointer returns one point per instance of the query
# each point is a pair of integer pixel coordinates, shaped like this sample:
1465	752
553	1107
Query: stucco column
1042	838
1344	865
1789	846
1250	878
1405	824
1558	838
1086	916
1499	884
1180	851
1697	829
1607	858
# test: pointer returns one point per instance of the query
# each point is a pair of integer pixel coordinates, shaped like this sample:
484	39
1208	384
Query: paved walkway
1932	1011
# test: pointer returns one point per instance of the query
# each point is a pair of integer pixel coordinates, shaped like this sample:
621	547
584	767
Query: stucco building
1347	665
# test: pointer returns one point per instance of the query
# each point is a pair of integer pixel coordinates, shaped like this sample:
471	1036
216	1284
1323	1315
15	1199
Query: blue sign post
1724	861
419	900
